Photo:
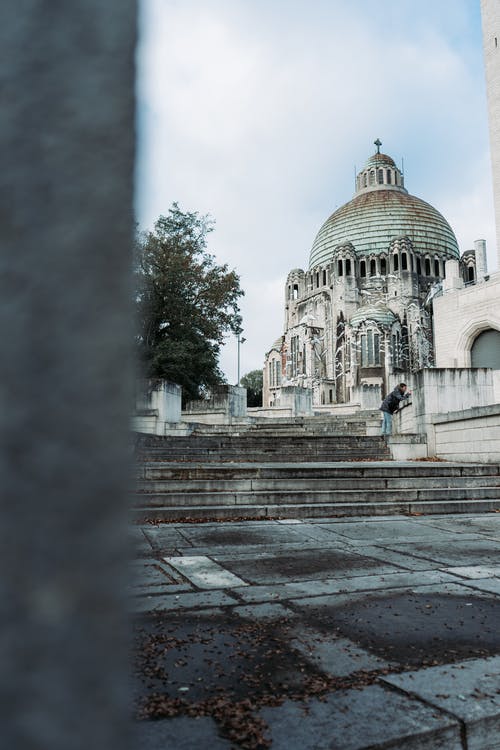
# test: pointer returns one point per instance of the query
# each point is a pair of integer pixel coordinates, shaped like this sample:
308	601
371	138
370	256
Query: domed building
360	315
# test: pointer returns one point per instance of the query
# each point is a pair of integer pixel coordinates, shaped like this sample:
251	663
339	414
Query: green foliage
252	381
185	302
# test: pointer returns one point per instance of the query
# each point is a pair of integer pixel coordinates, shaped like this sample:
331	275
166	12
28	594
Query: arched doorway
485	351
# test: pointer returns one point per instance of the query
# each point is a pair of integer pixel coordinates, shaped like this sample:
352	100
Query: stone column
490	14
67	135
481	260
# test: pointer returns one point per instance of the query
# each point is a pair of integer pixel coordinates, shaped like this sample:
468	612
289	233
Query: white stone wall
159	396
460	316
299	400
472	435
490	12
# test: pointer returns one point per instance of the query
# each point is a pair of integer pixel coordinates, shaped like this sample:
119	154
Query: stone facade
361	315
464	316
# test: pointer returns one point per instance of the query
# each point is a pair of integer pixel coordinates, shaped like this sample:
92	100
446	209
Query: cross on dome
378	143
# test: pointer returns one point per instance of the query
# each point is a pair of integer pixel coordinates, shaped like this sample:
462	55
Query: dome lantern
379	173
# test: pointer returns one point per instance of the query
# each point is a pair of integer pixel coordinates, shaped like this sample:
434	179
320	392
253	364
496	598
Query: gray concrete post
67	150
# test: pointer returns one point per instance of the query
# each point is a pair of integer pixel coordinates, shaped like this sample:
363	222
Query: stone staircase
288	474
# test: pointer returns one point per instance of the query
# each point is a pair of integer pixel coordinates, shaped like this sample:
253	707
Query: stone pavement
342	634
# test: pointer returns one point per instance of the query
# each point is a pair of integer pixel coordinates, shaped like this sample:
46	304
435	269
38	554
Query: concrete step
283	497
236	484
321	510
370	470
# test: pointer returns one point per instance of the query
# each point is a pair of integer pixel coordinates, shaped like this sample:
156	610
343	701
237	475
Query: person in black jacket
390	405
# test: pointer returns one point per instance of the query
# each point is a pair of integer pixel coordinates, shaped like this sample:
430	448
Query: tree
252	381
185	302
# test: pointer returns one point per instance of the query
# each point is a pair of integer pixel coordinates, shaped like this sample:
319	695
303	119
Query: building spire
378	143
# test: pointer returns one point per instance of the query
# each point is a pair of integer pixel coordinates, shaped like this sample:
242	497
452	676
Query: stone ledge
475	412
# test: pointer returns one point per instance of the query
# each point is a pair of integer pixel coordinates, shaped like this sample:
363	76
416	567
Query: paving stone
181	601
267	611
361	719
491	585
304	565
469	691
476	571
204	573
455	552
166	537
338	657
343	585
151	573
401	559
411	627
393	529
223	535
180	733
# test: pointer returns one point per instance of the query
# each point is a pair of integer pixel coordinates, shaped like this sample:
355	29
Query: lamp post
241	340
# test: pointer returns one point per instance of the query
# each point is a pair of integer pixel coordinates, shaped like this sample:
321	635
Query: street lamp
241	340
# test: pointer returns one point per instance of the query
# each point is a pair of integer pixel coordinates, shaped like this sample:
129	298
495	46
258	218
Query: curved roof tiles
373	219
378	313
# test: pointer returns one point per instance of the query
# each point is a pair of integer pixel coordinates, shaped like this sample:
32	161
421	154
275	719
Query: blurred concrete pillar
67	151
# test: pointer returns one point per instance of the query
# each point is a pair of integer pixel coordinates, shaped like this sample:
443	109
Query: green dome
372	219
382	211
378	313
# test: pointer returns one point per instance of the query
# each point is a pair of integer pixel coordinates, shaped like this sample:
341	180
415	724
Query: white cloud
257	112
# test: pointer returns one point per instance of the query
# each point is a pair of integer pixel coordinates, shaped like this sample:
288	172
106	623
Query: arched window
427	266
470	273
372	177
436	267
380	176
348	267
389	176
340	267
373	267
485	351
317	279
404	262
362	268
412	268
370	349
365	180
395	262
324	278
295	291
419	267
383	266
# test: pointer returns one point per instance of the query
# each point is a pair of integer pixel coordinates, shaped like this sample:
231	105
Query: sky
258	112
